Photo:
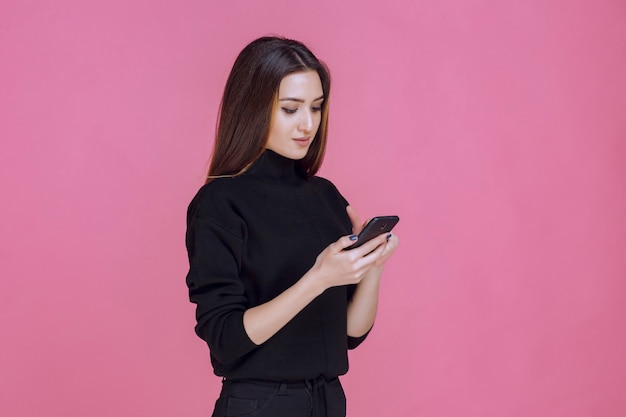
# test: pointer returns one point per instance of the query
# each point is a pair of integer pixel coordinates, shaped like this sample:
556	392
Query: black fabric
248	239
317	397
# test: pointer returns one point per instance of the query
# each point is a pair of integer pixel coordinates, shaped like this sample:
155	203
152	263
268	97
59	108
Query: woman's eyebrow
299	100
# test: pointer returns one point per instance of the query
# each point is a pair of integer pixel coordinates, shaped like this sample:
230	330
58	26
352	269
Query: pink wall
495	129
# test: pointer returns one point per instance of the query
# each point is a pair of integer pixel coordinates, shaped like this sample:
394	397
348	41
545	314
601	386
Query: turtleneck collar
275	166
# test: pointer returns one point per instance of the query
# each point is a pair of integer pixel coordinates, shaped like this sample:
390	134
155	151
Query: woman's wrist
374	275
312	282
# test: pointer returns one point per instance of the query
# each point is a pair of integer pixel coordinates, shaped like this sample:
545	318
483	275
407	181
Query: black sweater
251	237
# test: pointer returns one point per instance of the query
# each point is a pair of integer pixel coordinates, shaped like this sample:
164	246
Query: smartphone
375	227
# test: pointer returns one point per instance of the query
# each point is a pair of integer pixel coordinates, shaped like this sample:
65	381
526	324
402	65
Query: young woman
278	300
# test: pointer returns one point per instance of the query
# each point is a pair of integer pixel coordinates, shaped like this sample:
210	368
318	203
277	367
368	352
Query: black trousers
311	398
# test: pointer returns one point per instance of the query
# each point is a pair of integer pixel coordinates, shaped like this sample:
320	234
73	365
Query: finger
393	241
373	257
344	242
355	219
370	246
389	248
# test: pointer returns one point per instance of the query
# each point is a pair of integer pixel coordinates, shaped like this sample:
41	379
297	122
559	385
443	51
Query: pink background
494	128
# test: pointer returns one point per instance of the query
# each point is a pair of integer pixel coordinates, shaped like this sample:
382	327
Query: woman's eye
316	109
289	111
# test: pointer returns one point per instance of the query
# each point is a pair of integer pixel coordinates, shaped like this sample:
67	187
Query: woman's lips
302	141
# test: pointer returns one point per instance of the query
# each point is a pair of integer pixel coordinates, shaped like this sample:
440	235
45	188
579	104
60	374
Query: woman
278	301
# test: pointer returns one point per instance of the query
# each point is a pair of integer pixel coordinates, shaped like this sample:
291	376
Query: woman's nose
306	122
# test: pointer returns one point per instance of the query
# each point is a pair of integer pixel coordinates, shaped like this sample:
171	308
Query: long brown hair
249	96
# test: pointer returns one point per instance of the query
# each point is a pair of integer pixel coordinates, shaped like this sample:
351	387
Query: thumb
344	242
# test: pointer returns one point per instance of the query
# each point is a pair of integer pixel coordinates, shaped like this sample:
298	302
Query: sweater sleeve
214	249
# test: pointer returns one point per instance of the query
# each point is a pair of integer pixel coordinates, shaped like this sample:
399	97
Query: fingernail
388	236
353	237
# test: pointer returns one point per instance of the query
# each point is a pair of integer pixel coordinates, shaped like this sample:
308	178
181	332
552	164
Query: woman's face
296	114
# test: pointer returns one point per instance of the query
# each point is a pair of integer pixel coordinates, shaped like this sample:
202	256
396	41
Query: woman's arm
363	306
333	267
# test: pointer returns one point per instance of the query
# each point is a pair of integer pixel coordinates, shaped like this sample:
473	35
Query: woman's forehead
305	85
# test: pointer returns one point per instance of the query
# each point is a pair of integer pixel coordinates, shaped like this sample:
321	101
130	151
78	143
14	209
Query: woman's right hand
334	266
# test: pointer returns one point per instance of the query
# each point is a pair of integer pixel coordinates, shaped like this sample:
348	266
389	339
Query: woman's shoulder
216	188
225	187
216	195
323	183
327	188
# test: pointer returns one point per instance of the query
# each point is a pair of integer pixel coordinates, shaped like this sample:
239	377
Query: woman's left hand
364	303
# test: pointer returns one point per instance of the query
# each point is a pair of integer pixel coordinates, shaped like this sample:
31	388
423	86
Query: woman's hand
335	267
390	246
